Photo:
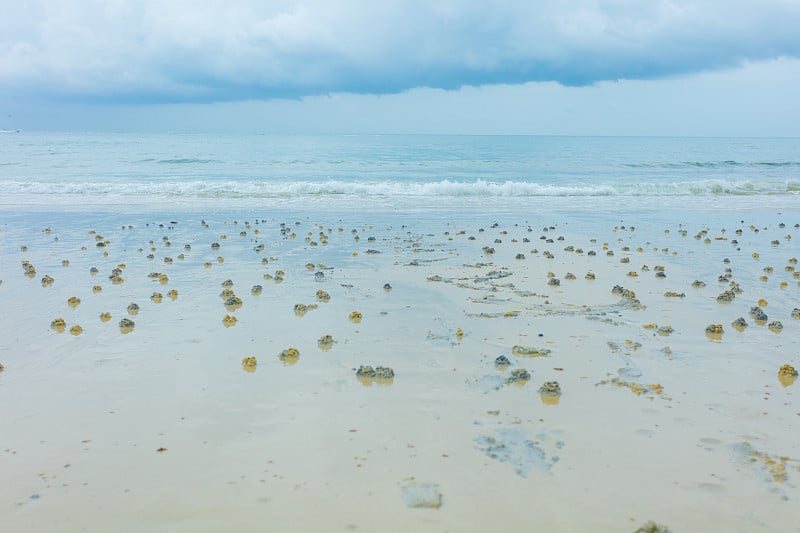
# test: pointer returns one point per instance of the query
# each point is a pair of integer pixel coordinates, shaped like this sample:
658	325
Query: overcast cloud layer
227	50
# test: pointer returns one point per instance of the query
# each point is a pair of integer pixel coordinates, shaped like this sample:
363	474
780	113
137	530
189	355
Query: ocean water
389	172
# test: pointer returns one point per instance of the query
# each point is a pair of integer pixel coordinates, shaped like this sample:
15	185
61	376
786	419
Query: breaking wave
443	188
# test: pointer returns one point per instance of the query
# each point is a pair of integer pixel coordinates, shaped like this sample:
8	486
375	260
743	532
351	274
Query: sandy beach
542	374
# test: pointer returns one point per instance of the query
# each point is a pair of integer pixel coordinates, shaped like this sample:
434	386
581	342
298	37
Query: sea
580	177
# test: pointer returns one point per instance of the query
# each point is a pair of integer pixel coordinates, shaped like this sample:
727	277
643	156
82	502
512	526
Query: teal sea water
394	171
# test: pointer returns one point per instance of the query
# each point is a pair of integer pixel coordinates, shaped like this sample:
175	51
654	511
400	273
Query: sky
565	67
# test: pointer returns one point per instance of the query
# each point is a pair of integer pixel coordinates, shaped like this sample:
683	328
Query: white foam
99	191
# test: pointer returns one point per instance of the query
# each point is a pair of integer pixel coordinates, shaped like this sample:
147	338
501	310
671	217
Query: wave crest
442	188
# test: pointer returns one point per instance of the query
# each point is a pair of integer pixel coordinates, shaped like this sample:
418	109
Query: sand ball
325	342
787	375
289	356
550	392
126	325
249	364
233	303
518	376
739	324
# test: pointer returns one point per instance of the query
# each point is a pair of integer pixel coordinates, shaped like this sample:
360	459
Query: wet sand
630	411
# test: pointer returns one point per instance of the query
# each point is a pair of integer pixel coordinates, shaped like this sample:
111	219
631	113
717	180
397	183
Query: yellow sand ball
787	375
105	317
325	342
207	264
714	332
220	259
126	325
289	356
355	316
73	301
233	303
229	321
76	330
784	284
755	255
173	295
97	288
249	364
58	325
762	302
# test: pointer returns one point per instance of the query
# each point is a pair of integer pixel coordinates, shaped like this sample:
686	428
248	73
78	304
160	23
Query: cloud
179	50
